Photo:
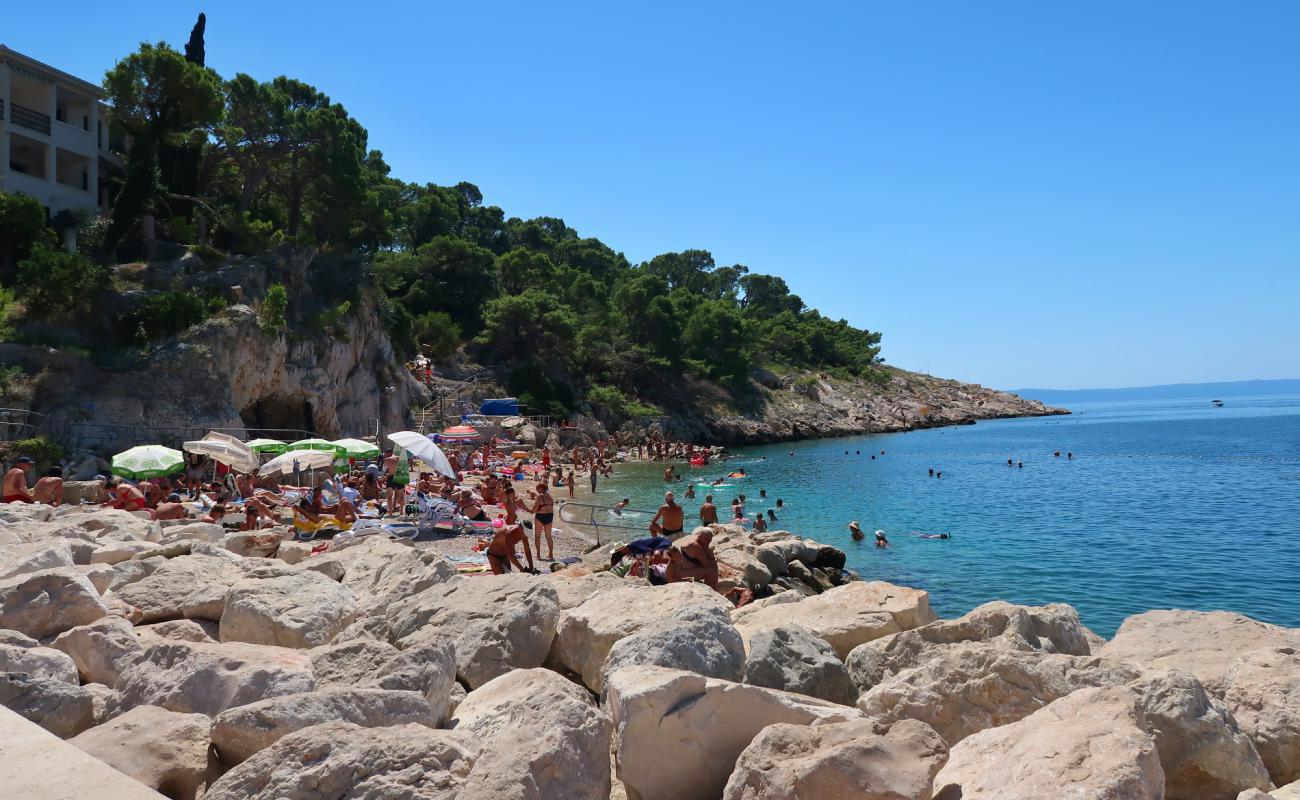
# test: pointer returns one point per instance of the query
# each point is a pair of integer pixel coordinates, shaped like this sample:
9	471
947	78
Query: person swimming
934	535
881	541
932	472
856	532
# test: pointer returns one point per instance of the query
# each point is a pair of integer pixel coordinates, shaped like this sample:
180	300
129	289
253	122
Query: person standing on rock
670	520
708	511
15	487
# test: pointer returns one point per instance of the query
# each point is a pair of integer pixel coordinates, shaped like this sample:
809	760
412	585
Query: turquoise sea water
1166	504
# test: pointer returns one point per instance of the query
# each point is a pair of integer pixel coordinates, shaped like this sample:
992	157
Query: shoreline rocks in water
375	670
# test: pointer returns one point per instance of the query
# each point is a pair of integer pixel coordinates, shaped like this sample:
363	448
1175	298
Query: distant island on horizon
1169	391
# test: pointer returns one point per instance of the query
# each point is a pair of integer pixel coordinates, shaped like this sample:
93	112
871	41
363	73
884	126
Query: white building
53	135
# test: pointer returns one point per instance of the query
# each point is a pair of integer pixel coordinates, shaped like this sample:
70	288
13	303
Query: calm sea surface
1165	504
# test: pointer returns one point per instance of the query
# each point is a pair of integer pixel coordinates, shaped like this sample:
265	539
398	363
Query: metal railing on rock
606	525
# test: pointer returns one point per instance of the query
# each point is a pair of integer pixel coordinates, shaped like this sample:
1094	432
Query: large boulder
856	760
181	630
790	658
164	750
697	639
252	544
677	735
587	632
495	625
573	591
191	677
1263	690
192	586
1091	745
976	685
101	649
342	760
47	603
849	615
1204	753
240	732
38	662
428	668
381	571
543	739
1204	643
115	552
302	609
1050	629
22	557
64	709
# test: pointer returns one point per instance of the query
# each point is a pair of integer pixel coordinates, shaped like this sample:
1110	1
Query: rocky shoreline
375	670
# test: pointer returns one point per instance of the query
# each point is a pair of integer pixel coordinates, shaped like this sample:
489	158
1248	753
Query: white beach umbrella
420	446
306	459
226	449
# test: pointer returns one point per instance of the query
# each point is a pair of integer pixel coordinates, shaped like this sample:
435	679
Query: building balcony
29	118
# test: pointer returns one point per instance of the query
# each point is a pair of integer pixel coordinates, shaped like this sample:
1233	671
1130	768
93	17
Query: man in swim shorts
15	485
672	517
708	511
49	489
697	559
501	553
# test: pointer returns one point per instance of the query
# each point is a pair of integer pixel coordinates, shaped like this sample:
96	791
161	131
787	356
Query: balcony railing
28	118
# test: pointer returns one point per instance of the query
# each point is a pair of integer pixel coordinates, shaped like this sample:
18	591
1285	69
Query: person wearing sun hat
856	532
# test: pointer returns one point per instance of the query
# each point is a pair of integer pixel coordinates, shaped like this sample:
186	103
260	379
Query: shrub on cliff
55	280
275	304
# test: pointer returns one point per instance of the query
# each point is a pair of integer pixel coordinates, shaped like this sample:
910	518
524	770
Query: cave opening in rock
272	416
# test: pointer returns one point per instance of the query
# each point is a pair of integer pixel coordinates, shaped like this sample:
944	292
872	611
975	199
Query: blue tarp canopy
500	407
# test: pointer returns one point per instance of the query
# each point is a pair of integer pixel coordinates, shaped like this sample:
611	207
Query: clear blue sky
1016	193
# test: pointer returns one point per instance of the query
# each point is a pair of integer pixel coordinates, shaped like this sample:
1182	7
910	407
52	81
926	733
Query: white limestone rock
240	732
587	632
495	625
697	639
677	735
847	616
302	609
1091	745
38	662
542	736
340	760
1204	643
101	649
790	658
47	603
1263	690
164	750
191	677
64	709
856	760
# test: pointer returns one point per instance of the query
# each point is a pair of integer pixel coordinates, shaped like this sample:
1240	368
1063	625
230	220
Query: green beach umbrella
358	448
316	444
148	461
267	446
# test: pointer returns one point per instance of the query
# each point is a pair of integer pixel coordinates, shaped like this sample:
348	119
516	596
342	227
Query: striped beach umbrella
459	433
148	461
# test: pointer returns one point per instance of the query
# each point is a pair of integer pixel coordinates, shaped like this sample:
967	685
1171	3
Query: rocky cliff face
228	373
818	405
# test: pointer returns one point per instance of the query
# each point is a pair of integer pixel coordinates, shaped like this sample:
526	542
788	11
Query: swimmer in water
1020	464
1069	456
1057	454
780	503
939	474
620	505
771	515
931	472
1009	464
934	535
856	532
762	493
881	541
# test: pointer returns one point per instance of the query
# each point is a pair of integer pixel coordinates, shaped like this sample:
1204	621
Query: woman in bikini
544	514
469	508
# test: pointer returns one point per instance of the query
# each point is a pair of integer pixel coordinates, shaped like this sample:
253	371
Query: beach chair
305	530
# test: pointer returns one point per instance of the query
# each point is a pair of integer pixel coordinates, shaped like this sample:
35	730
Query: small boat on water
1217	403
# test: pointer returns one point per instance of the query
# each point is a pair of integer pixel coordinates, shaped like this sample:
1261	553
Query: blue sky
1016	193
